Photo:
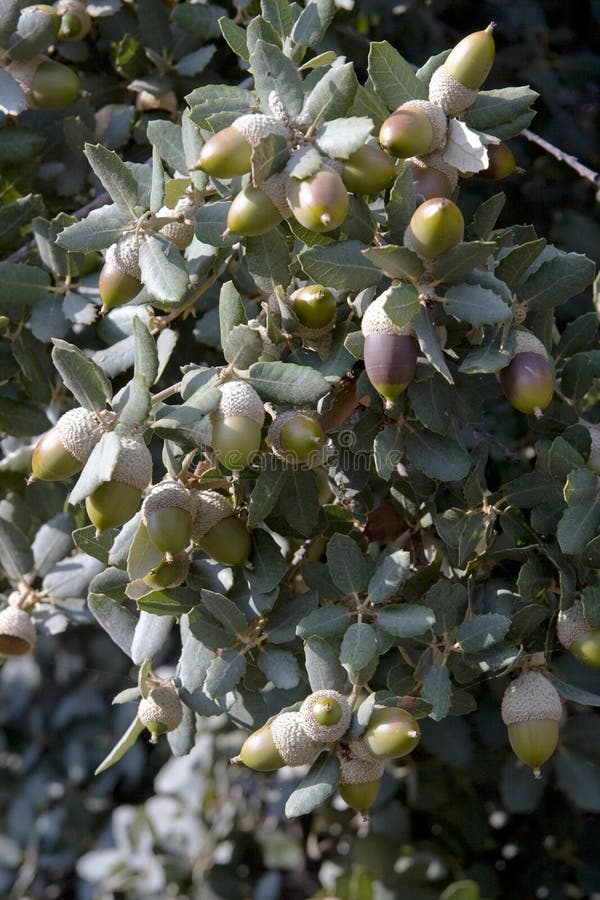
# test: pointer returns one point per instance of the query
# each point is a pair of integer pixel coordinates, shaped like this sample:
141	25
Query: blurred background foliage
156	826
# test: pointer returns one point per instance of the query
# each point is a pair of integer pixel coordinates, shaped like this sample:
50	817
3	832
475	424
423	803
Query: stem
188	305
559	154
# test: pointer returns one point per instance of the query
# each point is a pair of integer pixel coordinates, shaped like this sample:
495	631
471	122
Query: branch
582	170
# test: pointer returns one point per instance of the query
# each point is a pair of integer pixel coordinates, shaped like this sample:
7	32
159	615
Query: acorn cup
390	352
368	170
531	708
64	450
120	275
228	153
319	202
360	775
436	226
181	232
391	732
218	531
325	716
433	176
237	424
161	711
114	502
283	742
576	635
17	632
167	515
455	84
416	128
298	438
527	380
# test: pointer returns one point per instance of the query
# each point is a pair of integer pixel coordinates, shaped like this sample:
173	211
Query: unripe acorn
391	732
319	202
119	279
575	634
218	531
226	154
17	632
527	380
75	21
360	775
454	86
325	715
436	226
282	742
237	424
167	515
170	573
531	708
161	711
54	86
297	437
252	213
368	170
390	352
501	162
64	450
114	502
414	129
314	305
259	751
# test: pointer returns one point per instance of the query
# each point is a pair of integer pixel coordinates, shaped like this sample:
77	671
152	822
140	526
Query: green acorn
218	531
64	450
531	708
501	162
391	732
283	742
161	711
252	213
314	306
325	716
115	501
575	634
167	515
75	22
17	632
237	424
319	202
390	352
228	153
368	170
454	86
414	129
298	438
436	226
47	83
527	380
360	775
170	573
120	275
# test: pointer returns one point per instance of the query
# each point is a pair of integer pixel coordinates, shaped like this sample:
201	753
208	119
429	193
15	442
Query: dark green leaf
224	673
392	77
347	565
287	383
437	690
405	620
482	632
341	265
323	666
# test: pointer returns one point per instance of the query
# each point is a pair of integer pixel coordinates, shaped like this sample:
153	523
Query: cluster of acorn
321	723
47	83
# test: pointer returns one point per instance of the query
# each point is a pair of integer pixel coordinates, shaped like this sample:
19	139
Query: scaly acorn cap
530	697
17	632
208	508
160	711
449	94
325	733
274	436
255	126
181	233
572	624
79	431
357	764
377	321
238	398
168	494
293	744
134	463
436	116
526	342
124	255
435	160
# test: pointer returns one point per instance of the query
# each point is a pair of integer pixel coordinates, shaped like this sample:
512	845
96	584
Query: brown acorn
319	202
527	380
17	632
433	176
501	162
390	352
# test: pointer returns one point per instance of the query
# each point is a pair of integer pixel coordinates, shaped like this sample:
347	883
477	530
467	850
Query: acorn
501	162
433	176
17	632
170	573
218	531
167	515
531	708
594	457
120	275
527	380
314	306
237	424
391	732
454	86
75	23
228	153
64	450
319	202
161	711
283	742
575	634
298	438
252	213
390	352
115	501
325	716
414	129
368	170
47	83
436	226
360	775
